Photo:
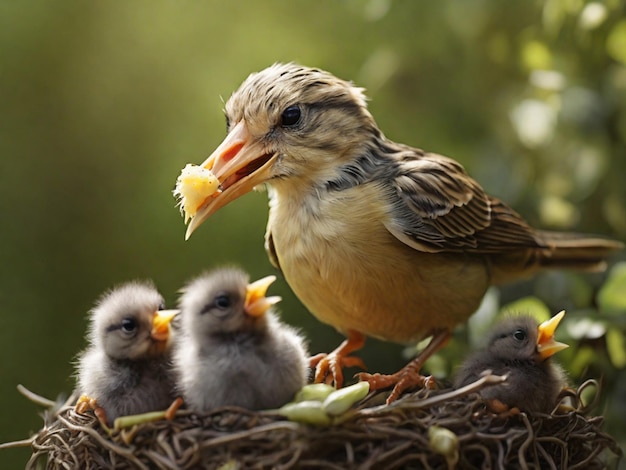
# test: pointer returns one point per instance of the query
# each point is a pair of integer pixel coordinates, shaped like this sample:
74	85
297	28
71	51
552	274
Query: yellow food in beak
239	163
193	187
546	345
256	303
161	324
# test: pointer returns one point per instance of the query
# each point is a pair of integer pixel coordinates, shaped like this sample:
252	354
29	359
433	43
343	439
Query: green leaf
612	295
536	55
528	305
616	42
437	366
616	346
584	356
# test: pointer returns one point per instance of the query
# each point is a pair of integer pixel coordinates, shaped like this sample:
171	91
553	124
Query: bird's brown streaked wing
441	208
507	230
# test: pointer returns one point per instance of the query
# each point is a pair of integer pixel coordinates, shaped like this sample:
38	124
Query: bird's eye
519	335
222	301
290	116
129	325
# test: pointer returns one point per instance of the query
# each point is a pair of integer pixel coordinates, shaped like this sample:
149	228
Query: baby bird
521	349
232	350
126	367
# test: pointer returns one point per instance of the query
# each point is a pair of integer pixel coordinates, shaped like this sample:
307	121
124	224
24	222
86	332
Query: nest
372	435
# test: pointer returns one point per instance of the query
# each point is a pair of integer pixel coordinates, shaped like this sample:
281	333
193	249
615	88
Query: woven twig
371	436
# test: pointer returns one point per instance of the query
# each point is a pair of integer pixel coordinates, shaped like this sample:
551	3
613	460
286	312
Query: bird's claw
496	406
328	367
173	408
409	376
86	403
102	417
401	381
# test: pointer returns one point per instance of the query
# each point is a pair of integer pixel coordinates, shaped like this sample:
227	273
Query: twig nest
427	429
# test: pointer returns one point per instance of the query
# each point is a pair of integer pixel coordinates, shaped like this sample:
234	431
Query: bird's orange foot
496	406
173	408
86	403
328	367
406	379
409	376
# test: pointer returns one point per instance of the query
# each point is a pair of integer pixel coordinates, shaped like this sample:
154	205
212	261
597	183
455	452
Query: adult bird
375	238
521	349
126	368
232	350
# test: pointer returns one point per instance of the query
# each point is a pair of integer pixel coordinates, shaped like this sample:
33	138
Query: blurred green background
102	103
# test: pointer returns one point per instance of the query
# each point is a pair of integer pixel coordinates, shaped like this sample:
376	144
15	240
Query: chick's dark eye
290	116
222	301
519	335
129	325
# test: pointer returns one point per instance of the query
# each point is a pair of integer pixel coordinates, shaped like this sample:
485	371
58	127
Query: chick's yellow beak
546	345
256	303
240	163
161	324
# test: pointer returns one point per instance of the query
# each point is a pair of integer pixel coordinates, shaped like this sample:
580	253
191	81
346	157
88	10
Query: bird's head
224	302
520	338
287	125
129	323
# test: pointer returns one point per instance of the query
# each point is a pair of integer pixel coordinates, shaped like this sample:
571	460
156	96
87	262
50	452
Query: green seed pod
444	442
308	412
122	422
340	401
315	392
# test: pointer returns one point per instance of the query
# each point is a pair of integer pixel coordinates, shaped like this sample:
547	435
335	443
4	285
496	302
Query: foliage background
102	104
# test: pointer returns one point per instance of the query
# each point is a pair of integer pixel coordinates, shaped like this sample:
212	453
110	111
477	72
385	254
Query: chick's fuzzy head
122	321
214	304
515	338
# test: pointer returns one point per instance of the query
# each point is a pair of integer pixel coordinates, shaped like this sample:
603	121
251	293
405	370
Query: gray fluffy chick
232	350
520	347
126	368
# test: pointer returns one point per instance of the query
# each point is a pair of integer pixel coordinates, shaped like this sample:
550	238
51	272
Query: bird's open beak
546	345
161	324
256	303
240	164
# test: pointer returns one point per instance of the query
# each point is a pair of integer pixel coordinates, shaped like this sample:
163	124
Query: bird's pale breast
350	272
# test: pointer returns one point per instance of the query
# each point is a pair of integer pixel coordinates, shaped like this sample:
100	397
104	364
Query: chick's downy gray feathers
227	357
533	382
124	368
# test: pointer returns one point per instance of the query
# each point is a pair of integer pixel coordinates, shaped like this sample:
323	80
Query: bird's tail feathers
575	251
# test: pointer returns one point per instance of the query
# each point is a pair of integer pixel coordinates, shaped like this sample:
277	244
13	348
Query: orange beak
256	303
240	163
546	345
161	324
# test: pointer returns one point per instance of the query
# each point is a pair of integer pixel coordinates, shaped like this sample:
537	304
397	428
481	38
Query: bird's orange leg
173	408
409	376
86	403
328	366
